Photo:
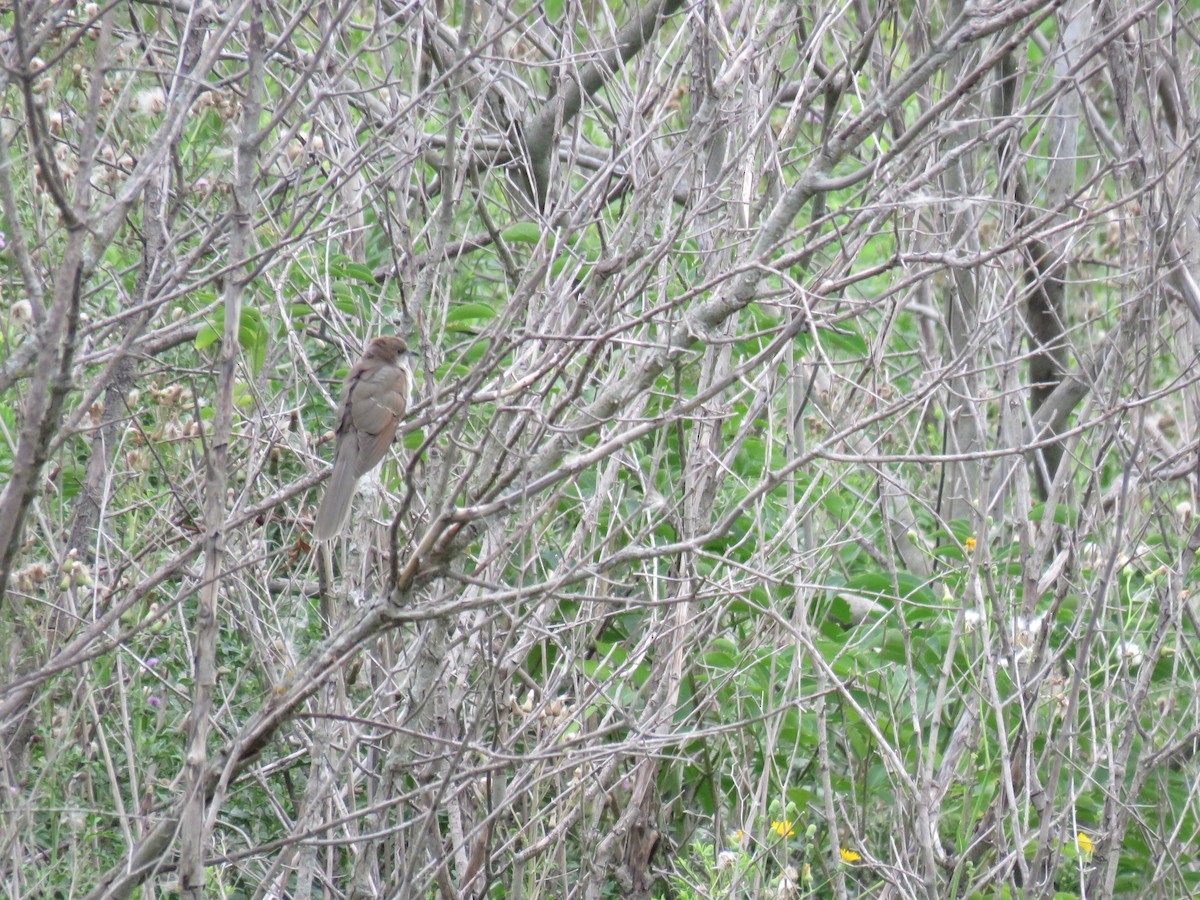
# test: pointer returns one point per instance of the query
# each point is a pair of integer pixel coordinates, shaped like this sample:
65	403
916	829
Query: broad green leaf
252	335
470	312
345	268
522	233
851	343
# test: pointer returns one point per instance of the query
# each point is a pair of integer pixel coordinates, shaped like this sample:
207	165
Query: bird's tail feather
335	505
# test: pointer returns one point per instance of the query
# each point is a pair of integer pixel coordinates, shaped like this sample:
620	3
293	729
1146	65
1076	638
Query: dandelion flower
849	855
784	828
1084	841
970	544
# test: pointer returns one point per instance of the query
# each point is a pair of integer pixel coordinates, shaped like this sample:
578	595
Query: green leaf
470	312
719	659
252	335
346	299
1063	515
243	397
522	233
582	267
346	268
207	336
851	343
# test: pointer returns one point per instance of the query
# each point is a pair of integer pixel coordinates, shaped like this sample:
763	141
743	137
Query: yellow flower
850	856
784	828
970	542
1085	843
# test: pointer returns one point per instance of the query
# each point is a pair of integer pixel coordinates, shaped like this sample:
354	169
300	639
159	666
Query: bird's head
390	348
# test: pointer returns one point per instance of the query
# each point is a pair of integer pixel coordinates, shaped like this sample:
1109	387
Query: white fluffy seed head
150	102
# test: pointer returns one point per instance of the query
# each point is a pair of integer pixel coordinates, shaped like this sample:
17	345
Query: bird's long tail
339	492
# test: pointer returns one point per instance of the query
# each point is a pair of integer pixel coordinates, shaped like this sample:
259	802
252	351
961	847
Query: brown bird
373	403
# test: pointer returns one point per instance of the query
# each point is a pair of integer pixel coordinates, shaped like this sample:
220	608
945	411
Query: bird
374	401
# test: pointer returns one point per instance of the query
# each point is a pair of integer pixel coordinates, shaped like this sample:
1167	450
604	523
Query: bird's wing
378	401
